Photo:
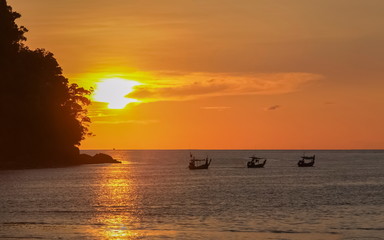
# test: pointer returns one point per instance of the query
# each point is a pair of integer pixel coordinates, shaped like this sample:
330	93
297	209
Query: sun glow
114	91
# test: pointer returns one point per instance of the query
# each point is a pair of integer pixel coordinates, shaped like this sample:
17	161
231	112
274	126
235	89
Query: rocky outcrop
96	159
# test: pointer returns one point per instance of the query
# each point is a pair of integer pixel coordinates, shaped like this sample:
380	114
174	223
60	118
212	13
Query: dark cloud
274	107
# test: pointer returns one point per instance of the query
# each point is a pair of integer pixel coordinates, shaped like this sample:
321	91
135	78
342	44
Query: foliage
43	116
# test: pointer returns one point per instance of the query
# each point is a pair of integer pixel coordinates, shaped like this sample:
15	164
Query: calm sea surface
153	195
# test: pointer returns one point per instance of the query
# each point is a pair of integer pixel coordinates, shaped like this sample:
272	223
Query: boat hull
259	165
303	164
205	166
194	164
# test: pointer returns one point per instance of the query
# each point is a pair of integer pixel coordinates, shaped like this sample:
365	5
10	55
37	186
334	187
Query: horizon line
234	149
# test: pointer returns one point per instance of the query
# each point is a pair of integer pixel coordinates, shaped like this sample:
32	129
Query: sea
153	195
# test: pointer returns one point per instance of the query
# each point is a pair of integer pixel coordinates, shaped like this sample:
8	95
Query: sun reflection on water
117	230
116	206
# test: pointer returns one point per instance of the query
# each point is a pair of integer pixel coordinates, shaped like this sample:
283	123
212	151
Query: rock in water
98	158
103	158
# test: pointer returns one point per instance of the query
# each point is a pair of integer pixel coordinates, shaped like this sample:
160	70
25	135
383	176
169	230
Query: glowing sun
114	91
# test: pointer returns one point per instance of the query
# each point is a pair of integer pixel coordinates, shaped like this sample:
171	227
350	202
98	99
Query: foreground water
153	195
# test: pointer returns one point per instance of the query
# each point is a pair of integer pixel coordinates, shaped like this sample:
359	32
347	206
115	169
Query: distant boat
256	162
195	163
304	163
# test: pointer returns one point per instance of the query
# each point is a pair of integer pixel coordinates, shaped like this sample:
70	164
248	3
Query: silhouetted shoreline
81	159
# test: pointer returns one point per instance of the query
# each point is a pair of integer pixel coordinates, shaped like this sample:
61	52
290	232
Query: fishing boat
256	162
304	161
195	163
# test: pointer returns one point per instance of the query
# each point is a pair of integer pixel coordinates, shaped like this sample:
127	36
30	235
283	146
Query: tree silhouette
43	117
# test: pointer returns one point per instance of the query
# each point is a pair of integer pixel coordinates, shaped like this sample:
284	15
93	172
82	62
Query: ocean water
153	195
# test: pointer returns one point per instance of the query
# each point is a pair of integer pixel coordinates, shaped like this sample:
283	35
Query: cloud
140	122
274	107
177	87
329	103
217	108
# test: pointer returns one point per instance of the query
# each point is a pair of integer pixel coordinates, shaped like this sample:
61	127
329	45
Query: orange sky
221	74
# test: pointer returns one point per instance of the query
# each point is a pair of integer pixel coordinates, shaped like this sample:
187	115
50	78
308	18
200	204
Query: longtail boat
256	162
195	163
304	163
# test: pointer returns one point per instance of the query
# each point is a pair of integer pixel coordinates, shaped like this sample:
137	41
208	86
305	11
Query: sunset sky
221	74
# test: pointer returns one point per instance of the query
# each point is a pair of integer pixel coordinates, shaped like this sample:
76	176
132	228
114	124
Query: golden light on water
117	230
116	203
114	91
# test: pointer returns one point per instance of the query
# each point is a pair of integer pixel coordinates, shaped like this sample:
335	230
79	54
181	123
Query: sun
114	91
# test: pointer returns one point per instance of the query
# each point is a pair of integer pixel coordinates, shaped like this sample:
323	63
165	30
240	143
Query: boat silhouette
304	163
195	163
256	162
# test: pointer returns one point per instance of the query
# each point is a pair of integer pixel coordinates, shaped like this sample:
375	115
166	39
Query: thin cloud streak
203	85
217	108
139	122
274	107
